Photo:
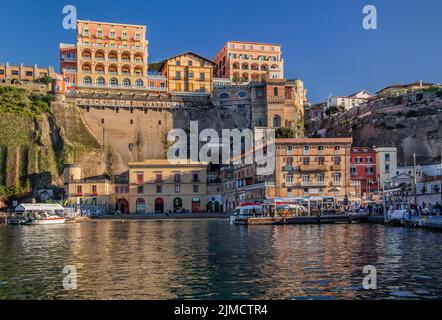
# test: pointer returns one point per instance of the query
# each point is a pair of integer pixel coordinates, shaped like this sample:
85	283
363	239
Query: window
369	159
139	83
305	178
177	177
140	177
79	190
140	189
387	168
178	75
158	177
320	177
190	63
126	82
337	161
337	178
321	161
358	159
100	81
202	76
353	171
306	161
113	82
275	91
94	190
137	36
87	81
177	188
195	188
224	95
159	189
370	171
178	62
242	94
387	157
112	34
29	73
195	177
337	148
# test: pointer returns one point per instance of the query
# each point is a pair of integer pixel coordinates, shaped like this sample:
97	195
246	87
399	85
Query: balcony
335	167
313	168
288	168
313	184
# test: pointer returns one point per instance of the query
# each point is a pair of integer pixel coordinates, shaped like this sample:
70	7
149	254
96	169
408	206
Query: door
159	205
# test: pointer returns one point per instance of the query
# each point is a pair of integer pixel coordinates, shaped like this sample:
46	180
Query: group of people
425	209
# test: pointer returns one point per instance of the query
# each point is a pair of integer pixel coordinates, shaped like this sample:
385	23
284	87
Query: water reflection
211	259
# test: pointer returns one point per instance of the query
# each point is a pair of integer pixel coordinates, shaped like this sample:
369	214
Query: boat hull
46	221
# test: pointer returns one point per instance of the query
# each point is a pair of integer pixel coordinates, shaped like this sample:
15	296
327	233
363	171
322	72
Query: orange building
245	61
111	55
22	72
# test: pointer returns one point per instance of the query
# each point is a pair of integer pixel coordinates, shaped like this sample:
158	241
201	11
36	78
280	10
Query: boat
45	218
40	213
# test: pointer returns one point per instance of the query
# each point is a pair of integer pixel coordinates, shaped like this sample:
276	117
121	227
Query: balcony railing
312	168
313	184
335	167
288	168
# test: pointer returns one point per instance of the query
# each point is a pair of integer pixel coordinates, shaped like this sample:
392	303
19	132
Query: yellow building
90	190
111	55
160	186
188	72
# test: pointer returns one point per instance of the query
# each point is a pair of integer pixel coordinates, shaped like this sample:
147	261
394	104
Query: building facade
363	169
349	102
188	72
248	61
23	72
314	167
386	165
158	186
111	55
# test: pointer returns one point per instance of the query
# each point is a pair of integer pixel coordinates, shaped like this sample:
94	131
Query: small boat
45	218
41	213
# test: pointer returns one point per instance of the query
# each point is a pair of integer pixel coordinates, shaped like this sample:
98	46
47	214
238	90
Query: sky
323	42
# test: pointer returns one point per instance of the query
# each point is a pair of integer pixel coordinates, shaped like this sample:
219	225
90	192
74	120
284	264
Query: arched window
139	83
276	121
100	81
224	95
177	204
126	82
275	91
87	81
242	94
113	82
140	205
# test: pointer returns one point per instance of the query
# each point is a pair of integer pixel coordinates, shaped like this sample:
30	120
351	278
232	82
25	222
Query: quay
171	216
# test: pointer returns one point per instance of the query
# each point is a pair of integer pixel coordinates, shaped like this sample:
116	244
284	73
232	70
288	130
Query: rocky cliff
411	123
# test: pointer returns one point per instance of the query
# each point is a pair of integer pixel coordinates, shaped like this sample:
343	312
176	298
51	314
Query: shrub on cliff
20	101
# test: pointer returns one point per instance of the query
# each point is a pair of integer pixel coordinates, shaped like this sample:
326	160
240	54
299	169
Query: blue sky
323	42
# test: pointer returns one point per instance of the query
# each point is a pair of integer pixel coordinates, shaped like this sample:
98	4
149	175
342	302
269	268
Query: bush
285	133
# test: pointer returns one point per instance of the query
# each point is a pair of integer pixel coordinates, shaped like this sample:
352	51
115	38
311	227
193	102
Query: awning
38	207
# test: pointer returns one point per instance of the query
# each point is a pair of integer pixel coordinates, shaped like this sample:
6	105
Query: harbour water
211	259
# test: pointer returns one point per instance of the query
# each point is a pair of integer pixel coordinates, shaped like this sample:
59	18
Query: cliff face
35	142
413	124
40	133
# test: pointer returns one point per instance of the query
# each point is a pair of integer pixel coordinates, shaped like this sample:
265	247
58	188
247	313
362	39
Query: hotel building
188	72
111	55
246	61
68	65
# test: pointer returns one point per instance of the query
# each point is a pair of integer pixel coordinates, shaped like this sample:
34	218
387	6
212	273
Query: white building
386	159
350	101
